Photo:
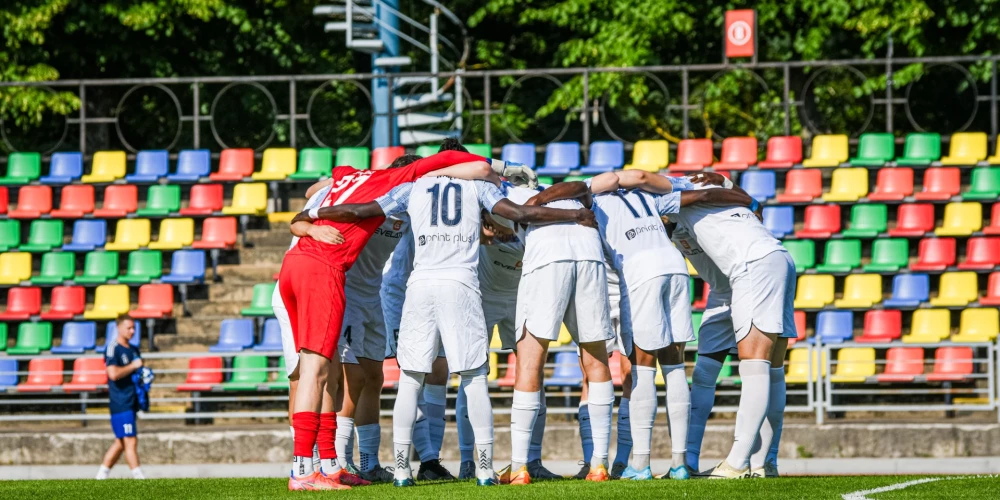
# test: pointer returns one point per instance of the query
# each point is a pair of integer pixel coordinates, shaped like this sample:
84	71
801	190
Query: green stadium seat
98	268
32	338
985	184
696	325
3	336
354	157
874	149
545	179
281	381
920	149
260	304
43	236
803	253
22	168
841	256
484	150
576	178
314	164
867	221
57	268
889	255
143	267
426	150
248	373
161	200
10	234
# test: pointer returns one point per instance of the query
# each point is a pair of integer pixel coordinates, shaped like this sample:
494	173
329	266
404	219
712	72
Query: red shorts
313	294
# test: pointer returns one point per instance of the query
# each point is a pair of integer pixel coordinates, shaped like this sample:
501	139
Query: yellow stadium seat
651	156
278	163
691	270
814	291
995	159
175	234
861	291
494	367
281	217
248	199
956	289
798	366
564	337
827	151
848	184
658	380
961	219
967	148
107	166
495	342
130	234
978	325
854	365
15	267
929	326
109	302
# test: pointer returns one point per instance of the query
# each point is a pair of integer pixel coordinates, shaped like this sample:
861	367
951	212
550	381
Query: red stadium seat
202	374
738	153
903	364
892	184
390	373
822	221
217	232
882	325
119	201
981	253
692	155
155	301
234	165
4	199
703	301
75	202
43	375
802	185
783	152
206	199
935	254
940	184
32	202
800	328
383	157
951	364
992	297
66	302
22	303
89	375
994	227
508	376
913	219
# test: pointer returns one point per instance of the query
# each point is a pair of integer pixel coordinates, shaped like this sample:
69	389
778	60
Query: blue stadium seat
560	158
187	266
519	153
111	332
64	168
567	371
192	164
605	156
88	235
77	337
8	373
909	290
834	327
779	220
271	339
759	183
149	166
234	335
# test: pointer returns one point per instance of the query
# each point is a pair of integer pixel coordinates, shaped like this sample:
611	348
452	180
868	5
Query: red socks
327	437
306	425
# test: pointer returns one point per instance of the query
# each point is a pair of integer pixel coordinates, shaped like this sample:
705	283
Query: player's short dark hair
122	317
452	144
403	161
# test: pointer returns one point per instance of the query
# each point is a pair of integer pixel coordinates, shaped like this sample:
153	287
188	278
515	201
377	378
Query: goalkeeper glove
517	174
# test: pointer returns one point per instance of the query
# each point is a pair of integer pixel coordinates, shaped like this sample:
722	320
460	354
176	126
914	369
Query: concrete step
262	256
248	274
215	308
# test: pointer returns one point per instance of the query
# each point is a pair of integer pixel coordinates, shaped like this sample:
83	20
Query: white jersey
564	241
364	280
397	271
312	203
500	264
707	270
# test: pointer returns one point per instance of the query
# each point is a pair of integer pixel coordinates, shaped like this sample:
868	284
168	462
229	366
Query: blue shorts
123	424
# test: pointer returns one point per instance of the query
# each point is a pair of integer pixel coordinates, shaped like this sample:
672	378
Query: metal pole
434	51
684	97
196	113
888	87
993	102
291	112
584	113
390	116
787	101
83	119
486	109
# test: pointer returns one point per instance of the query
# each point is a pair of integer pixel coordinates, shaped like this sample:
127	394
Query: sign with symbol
741	27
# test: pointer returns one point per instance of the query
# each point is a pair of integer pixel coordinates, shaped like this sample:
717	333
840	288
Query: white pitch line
862	495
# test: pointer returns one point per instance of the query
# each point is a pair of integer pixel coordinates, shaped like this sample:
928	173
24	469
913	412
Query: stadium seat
314	164
985	184
248	199
605	156
803	253
10	234
920	149
234	336
119	201
738	153
203	373
840	256
782	152
800	328
277	164
187	266
692	155
106	166
827	151
22	168
935	254
32	202
951	364
192	165
234	165
76	338
74	202
567	371
43	236
88	235
802	186
174	234
834	327
519	153
271	337
814	291
800	368
32	338
874	149
994	227
383	157
759	184
248	373
961	219
913	219
702	301
881	326
44	374
892	184
560	158
956	290
161	200
260	304
978	325
280	378
390	373
854	365
130	234
868	220
64	168
981	253
966	148
903	364
889	255
484	150
99	267
425	150
56	268
205	199
929	326
15	267
779	220
143	267
89	375
356	157
651	156
150	166
22	303
66	303
992	297
8	371
111	333
940	184
217	232
821	221
109	302
861	291
909	290
155	301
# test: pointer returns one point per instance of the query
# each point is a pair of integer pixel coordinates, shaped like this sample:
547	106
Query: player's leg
404	414
354	383
131	445
623	425
466	438
313	371
110	458
366	419
583	420
601	399
676	300
703	382
531	354
481	419
642	412
428	442
764	459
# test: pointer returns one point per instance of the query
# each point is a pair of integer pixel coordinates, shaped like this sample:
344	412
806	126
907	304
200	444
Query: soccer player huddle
422	259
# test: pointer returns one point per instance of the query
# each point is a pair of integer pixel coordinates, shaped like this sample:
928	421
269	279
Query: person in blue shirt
122	359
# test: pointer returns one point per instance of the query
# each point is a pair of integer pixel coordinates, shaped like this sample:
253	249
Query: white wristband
314	213
727	184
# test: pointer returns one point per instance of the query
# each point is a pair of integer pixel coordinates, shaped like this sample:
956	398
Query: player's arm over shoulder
493	200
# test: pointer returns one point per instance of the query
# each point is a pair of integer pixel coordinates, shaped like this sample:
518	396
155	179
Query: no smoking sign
740	28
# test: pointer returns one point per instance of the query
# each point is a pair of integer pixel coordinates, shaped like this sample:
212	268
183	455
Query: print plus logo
423	240
630	234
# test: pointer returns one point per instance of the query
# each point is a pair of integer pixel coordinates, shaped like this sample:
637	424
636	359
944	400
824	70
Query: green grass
757	489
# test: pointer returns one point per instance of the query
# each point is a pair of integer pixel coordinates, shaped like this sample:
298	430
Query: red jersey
363	186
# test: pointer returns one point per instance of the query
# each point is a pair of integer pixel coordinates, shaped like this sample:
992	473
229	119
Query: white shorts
716	332
287	338
442	313
620	322
392	311
363	332
764	296
571	292
660	311
499	310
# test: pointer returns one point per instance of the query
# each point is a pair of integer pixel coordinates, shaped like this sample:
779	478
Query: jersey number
439	203
642	199
127	428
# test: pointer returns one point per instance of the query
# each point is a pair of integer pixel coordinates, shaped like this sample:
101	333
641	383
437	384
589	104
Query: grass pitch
756	489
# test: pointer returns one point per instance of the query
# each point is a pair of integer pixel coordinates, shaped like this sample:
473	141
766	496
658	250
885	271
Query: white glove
517	174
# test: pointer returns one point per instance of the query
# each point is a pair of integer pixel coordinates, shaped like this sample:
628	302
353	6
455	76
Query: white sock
466	437
421	430
477	393
344	442
538	431
706	372
642	406
330	465
770	432
602	400
523	412
624	427
586	436
435	401
137	473
103	472
404	414
752	409
303	466
369	439
678	409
